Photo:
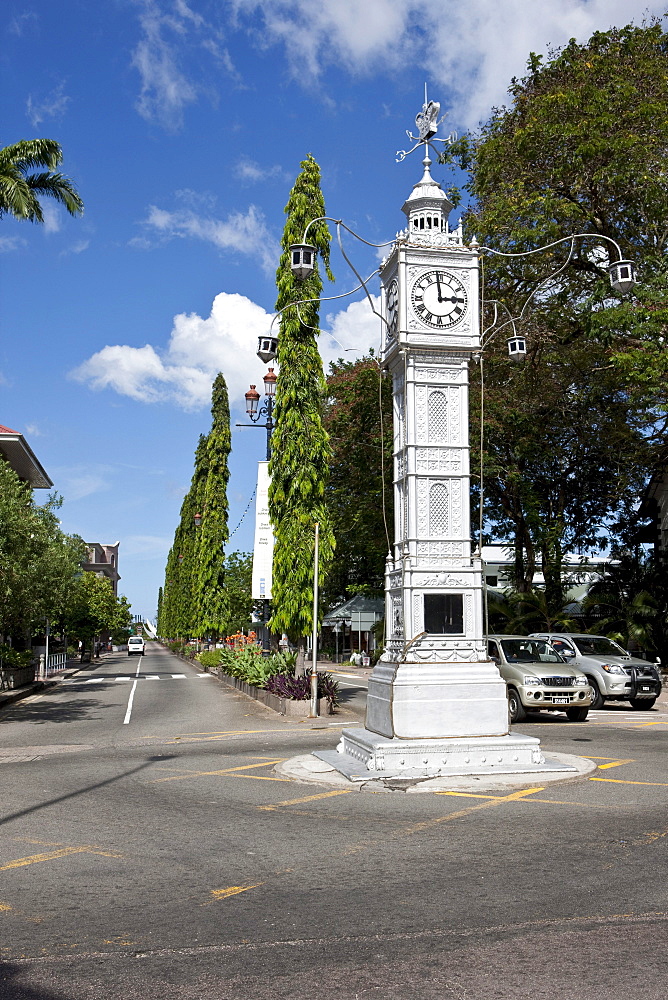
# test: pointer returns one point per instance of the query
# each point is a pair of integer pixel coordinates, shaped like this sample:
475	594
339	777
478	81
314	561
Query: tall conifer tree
300	445
212	605
194	600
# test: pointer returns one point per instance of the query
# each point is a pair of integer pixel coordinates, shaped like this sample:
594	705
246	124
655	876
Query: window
444	614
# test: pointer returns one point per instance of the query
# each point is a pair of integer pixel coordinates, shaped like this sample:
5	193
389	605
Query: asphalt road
148	850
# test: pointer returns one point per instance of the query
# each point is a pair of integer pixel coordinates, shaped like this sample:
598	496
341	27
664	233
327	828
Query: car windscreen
529	651
597	645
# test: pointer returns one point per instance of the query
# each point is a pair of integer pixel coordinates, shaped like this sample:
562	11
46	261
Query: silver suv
538	678
613	674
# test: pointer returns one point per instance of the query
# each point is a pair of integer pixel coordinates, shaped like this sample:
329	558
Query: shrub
209	658
10	657
299	688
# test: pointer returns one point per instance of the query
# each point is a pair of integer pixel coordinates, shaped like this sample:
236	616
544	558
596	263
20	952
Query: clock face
392	307
439	299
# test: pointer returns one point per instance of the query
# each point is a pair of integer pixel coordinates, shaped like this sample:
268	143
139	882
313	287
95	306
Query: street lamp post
255	411
267	348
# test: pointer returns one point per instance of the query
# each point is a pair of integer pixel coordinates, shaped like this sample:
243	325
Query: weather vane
427	122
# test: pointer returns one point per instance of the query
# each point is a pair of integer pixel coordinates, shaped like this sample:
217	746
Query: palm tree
21	186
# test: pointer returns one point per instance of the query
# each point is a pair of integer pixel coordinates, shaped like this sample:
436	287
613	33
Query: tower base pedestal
364	756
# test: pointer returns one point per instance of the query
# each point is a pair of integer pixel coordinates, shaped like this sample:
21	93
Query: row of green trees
41	580
201	589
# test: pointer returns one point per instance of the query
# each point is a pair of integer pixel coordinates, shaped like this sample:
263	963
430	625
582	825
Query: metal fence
57	662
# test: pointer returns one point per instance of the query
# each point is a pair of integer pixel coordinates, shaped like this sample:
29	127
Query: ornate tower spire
427	207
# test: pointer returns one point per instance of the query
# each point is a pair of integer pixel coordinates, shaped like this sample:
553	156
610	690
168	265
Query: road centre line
52	855
306	798
226	770
611	760
128	714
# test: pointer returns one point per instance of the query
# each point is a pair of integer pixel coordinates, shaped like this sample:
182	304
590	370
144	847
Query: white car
136	645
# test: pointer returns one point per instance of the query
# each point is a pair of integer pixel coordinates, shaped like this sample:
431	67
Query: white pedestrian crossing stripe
124	679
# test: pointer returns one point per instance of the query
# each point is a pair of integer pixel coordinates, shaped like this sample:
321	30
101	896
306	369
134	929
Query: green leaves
570	438
38	562
300	445
20	189
194	600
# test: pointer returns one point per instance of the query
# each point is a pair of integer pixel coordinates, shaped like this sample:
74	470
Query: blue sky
183	123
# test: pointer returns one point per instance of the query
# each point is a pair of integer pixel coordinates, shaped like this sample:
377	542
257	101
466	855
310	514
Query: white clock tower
436	702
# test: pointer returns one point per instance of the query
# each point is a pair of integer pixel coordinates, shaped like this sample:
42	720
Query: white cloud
77	482
165	89
10	243
225	341
170	31
53	105
252	172
350	333
469	49
197	350
23	23
79	247
51	215
34	430
245	232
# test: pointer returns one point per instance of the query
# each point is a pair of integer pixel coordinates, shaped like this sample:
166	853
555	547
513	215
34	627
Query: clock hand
438	287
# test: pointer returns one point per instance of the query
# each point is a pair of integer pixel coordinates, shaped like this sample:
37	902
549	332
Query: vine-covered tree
301	451
180	591
210	597
581	148
28	172
194	600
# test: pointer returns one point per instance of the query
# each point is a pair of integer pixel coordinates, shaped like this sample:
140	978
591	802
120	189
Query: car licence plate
645	687
561	701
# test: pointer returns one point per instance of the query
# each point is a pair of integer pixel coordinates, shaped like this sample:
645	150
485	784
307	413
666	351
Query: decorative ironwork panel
439	509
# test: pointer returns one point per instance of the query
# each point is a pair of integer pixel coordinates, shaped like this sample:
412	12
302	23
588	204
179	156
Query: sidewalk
73	667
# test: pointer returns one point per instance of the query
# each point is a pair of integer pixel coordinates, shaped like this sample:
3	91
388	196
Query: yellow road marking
552	802
226	770
612	761
459	814
619	781
261	777
203	737
232	890
308	798
4	907
52	855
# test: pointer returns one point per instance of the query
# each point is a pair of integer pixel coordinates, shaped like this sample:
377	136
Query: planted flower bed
269	679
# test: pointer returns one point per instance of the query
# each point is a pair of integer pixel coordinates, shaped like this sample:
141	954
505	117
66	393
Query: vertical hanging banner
263	550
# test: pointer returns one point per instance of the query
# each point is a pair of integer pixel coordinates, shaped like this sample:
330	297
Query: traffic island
317	768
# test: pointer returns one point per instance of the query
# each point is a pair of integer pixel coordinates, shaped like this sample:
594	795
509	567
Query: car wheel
596	696
577	714
642	704
516	710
